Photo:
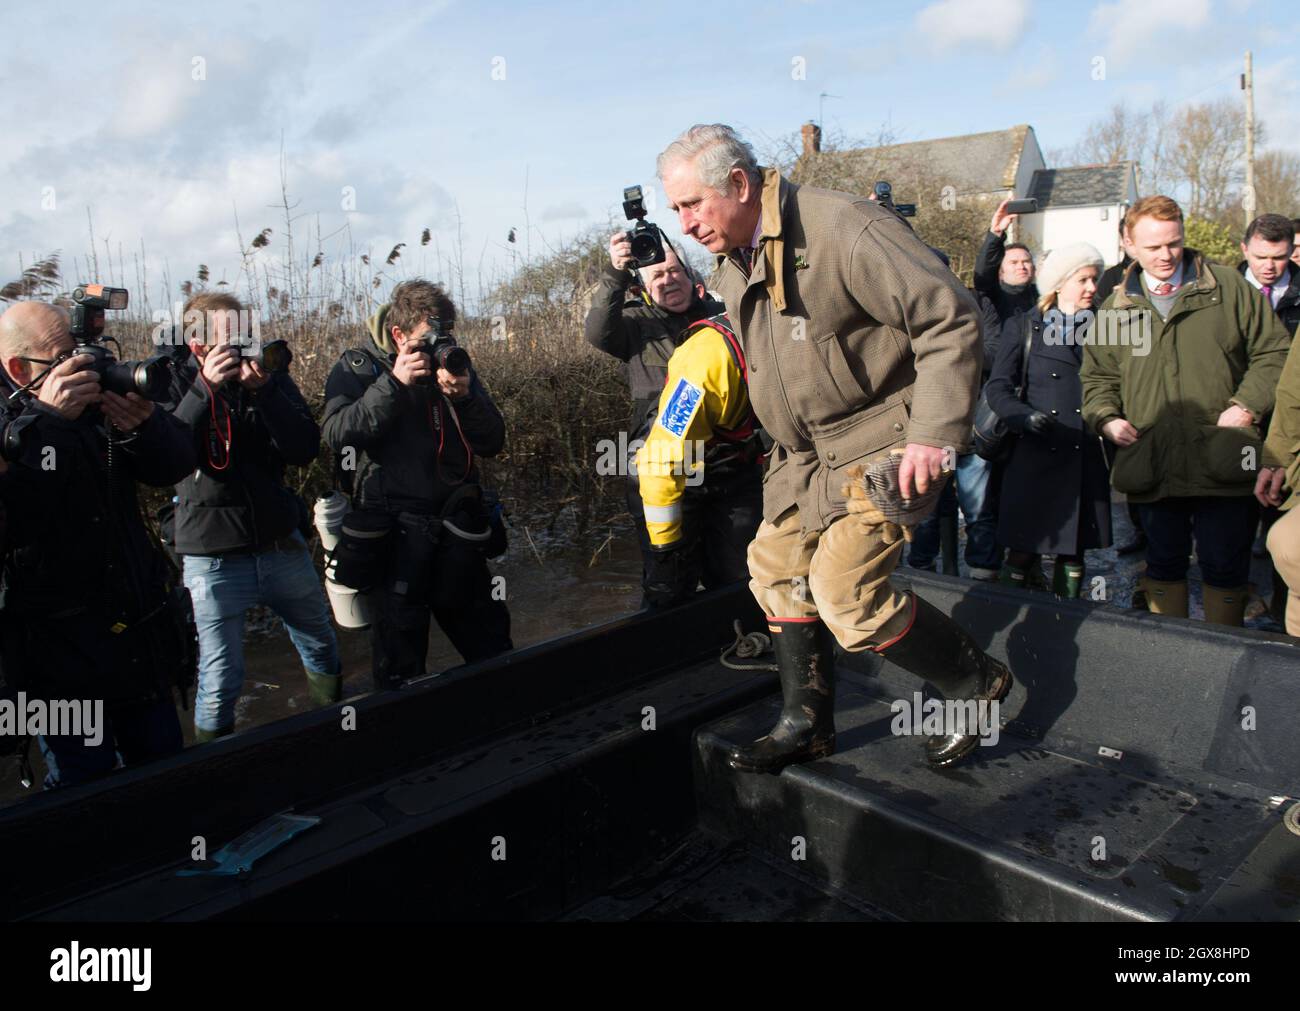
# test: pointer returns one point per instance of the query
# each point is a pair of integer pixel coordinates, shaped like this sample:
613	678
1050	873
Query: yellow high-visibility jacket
705	401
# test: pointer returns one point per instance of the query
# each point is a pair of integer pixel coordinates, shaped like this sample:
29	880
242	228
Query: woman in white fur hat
1056	484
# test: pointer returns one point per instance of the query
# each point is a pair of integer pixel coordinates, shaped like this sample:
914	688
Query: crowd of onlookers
1161	376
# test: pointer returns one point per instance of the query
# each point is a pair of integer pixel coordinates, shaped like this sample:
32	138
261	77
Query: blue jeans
223	588
139	732
971	491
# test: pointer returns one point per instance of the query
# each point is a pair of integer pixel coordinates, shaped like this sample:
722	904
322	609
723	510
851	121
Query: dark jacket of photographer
236	498
1010	299
402	448
642	335
84	580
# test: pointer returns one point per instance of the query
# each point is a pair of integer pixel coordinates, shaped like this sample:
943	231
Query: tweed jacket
858	340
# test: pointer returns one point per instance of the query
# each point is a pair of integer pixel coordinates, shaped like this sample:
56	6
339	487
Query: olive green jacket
1282	448
1221	344
857	339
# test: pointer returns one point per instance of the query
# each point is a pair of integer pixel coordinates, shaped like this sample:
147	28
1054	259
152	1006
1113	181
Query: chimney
812	138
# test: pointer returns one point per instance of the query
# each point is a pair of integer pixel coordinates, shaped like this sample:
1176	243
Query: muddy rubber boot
202	736
805	656
1067	579
936	649
324	689
1169	599
1225	607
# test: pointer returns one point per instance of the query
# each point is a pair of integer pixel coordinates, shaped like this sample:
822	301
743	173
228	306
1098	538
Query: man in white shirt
1267	248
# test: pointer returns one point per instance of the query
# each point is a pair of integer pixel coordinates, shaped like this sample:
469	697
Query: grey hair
715	149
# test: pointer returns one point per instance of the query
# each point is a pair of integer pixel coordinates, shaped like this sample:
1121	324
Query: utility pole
1248	86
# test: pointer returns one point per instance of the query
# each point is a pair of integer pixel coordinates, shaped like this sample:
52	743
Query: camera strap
218	444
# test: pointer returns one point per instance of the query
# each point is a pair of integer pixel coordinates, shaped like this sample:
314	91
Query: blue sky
426	110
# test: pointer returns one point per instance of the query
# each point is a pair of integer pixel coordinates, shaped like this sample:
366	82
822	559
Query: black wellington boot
805	656
940	651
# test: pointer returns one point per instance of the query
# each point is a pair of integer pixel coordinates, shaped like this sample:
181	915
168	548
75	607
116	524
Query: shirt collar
1281	284
1176	279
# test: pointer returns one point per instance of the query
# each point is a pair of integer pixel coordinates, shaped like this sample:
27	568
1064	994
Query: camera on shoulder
647	240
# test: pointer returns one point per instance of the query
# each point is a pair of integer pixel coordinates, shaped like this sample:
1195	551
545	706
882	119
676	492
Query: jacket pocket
1134	471
844	393
866	436
1230	456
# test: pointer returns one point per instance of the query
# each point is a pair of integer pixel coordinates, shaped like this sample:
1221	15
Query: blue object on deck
239	856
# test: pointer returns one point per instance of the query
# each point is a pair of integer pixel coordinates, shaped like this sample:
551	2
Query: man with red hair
1183	368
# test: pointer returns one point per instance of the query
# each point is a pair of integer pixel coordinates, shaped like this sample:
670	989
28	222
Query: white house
1080	204
1076	204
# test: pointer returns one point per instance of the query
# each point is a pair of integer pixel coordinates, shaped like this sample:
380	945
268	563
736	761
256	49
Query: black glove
1037	423
663	577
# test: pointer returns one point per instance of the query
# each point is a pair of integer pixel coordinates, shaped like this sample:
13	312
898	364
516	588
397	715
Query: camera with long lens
148	379
275	356
885	198
439	344
647	240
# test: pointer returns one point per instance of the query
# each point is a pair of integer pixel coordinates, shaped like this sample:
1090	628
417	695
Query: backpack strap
362	364
722	324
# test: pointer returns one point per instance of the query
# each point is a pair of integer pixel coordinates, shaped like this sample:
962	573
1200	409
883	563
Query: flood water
551	592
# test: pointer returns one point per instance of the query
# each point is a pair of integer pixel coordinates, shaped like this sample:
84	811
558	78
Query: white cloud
999	24
1277	104
1134	29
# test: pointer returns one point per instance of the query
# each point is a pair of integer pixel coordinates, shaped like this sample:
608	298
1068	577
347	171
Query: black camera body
647	240
442	348
885	198
149	379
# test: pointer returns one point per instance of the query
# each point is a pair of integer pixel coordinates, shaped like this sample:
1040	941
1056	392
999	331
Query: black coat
1008	299
241	502
85	583
406	448
1056	486
1110	278
1288	306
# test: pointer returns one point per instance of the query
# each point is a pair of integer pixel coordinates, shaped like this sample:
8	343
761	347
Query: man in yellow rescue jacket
703	424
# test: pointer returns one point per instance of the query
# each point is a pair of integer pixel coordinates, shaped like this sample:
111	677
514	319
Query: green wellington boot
1169	599
1067	579
805	656
324	689
1225	607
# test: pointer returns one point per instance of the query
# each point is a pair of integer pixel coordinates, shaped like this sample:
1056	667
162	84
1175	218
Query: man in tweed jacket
864	354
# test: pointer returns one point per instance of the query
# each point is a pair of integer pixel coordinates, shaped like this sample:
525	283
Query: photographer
88	612
718	516
237	524
1005	273
407	417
